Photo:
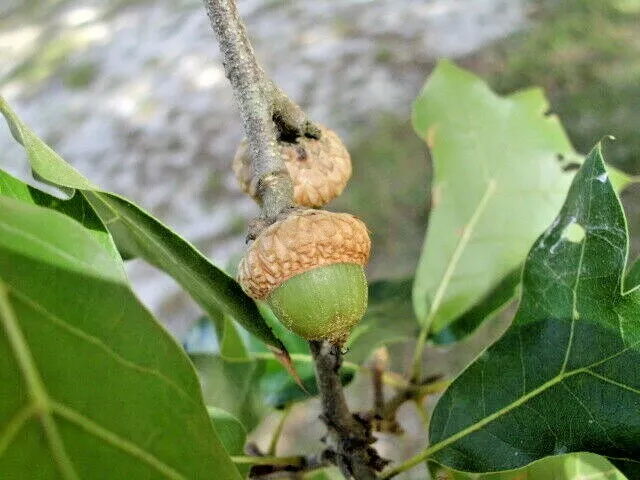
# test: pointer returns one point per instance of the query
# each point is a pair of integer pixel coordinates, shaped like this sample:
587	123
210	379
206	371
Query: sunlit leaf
498	182
575	466
76	208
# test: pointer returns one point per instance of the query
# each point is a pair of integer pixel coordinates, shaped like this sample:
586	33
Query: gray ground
134	95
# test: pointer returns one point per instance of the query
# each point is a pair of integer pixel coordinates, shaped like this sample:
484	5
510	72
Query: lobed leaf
562	378
498	182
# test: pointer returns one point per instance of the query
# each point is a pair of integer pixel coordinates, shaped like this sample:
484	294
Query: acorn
319	168
309	269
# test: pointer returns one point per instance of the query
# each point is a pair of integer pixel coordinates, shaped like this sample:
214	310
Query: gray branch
349	436
269	116
267	113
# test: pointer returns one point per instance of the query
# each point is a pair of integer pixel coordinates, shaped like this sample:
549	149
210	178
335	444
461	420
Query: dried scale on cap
308	267
319	168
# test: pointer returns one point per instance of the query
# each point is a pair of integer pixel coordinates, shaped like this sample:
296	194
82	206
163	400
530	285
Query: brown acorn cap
319	168
304	240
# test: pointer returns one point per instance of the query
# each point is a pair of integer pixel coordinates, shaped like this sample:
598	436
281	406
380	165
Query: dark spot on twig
302	153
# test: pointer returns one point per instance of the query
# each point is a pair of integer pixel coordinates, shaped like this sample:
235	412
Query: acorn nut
319	168
309	268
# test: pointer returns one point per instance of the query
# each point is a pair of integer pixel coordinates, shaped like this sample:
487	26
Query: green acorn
309	268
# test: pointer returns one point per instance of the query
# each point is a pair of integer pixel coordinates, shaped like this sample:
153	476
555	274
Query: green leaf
632	278
280	390
230	430
233	386
491	305
389	319
92	386
139	234
76	208
231	344
562	378
497	183
14	188
232	434
575	466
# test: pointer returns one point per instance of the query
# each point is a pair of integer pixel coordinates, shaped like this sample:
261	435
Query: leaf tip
282	355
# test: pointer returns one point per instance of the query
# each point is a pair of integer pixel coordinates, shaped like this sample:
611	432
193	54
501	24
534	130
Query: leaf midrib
467	234
99	344
35	386
43	406
525	398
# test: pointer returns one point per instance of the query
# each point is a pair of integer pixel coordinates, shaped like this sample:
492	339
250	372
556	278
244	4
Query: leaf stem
273	444
294	461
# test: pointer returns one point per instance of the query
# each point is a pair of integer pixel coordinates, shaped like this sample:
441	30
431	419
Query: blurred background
132	92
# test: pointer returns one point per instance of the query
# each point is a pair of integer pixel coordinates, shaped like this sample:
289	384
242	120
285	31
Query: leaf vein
97	342
15	424
115	440
34	383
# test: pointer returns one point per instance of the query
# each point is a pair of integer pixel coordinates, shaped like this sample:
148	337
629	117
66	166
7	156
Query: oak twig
349	436
267	113
269	116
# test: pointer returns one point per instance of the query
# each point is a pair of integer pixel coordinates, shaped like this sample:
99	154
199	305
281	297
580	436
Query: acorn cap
304	240
319	168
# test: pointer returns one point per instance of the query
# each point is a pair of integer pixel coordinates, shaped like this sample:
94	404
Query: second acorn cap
319	168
